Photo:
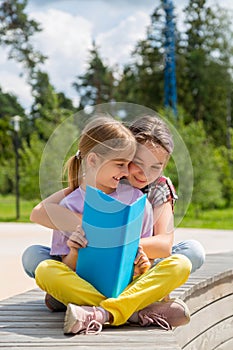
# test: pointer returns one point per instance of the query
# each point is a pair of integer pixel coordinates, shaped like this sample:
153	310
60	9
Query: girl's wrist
73	251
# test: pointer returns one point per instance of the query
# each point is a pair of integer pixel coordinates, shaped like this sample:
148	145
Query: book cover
113	231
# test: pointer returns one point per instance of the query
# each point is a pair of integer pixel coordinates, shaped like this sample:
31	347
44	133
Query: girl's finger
79	240
139	254
80	230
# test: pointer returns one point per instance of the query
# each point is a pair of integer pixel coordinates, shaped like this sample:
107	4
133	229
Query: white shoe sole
70	318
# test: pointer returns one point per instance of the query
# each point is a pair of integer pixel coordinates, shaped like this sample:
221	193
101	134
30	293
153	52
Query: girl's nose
125	171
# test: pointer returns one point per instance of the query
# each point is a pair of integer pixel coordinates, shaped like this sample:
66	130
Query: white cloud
12	81
65	39
117	44
68	30
16	85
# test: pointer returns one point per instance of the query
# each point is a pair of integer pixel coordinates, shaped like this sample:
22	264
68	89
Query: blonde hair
104	136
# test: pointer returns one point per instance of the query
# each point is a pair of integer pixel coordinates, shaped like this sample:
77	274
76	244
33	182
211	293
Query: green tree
48	112
142	81
203	65
16	32
30	156
97	84
9	107
207	191
224	160
49	108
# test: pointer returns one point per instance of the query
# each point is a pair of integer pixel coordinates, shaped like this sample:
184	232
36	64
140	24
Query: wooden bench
209	296
25	323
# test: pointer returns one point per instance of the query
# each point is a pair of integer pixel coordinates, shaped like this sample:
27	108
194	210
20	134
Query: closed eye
157	167
120	165
138	163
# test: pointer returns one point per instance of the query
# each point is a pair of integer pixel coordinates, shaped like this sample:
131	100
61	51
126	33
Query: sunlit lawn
215	219
8	208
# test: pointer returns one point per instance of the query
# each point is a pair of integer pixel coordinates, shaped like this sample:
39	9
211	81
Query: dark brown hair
152	129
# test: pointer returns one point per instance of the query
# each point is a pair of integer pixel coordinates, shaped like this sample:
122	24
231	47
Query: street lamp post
16	124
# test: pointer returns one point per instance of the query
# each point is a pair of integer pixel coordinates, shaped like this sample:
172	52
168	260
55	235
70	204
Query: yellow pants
66	286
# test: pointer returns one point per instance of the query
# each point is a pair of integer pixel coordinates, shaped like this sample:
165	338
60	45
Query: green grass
8	209
212	219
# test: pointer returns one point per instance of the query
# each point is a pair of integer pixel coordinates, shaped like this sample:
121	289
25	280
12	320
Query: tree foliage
205	81
49	108
224	159
9	107
96	85
207	190
16	31
204	85
142	80
30	156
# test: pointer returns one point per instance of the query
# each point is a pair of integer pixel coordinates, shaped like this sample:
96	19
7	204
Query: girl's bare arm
50	214
160	244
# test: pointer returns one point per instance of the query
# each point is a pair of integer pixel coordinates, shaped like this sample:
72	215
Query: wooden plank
116	339
205	319
205	295
216	267
210	294
105	346
217	337
22	327
227	345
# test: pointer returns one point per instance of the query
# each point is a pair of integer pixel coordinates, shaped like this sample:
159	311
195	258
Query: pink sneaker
83	319
165	314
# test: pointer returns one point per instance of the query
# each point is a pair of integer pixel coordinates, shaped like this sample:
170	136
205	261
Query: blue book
113	231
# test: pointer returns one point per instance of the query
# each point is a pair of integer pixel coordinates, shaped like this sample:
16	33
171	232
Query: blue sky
69	27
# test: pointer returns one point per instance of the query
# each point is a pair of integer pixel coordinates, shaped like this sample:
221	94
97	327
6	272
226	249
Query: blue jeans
192	249
34	254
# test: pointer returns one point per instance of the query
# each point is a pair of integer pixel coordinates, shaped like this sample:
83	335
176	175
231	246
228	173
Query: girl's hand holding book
141	262
77	239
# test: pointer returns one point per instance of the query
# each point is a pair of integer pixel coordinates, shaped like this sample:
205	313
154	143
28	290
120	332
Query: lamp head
16	120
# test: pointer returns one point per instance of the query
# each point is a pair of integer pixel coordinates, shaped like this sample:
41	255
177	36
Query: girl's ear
92	159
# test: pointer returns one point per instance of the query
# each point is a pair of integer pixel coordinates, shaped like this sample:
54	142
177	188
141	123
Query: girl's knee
197	255
32	256
193	250
182	266
29	261
44	271
41	272
48	271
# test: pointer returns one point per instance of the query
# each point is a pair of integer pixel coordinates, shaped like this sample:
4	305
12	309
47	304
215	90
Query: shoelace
92	326
153	318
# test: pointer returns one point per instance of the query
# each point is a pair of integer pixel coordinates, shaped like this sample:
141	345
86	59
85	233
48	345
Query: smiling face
147	165
110	173
105	173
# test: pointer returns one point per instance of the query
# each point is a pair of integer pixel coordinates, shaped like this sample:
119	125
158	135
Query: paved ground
14	238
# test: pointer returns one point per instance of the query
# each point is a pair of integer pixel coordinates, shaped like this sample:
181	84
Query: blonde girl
106	148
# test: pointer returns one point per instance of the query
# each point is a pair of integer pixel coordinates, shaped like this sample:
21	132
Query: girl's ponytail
73	166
